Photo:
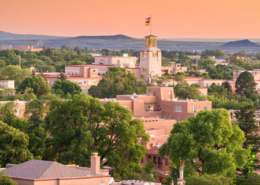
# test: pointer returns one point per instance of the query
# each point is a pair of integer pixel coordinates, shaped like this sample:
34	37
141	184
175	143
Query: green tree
13	72
209	138
37	83
65	87
227	86
7	116
62	76
81	126
6	180
34	112
13	145
117	81
206	179
247	123
245	83
183	90
252	179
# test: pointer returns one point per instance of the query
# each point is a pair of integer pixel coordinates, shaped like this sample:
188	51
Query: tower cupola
150	41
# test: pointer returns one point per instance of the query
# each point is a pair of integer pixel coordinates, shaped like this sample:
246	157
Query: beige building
4	47
7	84
118	61
174	68
28	48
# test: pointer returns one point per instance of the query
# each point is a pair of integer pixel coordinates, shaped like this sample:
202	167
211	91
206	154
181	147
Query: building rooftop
39	169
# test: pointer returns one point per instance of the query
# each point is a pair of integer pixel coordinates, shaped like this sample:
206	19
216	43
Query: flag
147	21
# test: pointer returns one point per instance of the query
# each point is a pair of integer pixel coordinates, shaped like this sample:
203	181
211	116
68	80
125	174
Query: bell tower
151	57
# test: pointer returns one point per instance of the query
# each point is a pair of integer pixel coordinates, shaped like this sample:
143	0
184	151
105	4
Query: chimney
181	181
10	165
181	173
95	164
172	183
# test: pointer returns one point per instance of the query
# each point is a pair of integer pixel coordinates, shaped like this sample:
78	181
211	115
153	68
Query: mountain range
117	42
13	36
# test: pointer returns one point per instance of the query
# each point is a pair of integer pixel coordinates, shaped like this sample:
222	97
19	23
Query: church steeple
150	41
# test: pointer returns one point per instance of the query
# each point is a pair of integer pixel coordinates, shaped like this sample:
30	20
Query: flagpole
151	25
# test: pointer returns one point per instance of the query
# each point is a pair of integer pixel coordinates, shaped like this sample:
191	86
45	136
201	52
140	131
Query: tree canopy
245	83
13	145
37	83
117	81
209	138
206	179
65	87
14	72
81	126
6	180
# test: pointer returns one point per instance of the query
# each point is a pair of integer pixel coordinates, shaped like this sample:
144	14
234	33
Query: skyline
170	19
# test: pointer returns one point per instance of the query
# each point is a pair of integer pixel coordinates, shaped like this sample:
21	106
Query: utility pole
20	59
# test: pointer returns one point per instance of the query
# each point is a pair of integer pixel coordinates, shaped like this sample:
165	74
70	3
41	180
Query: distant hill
11	36
241	43
108	37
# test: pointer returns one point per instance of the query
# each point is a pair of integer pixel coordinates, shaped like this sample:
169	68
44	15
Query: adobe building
118	61
8	86
203	83
4	47
174	68
83	75
28	48
160	102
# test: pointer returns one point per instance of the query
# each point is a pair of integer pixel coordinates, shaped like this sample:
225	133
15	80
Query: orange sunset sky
170	18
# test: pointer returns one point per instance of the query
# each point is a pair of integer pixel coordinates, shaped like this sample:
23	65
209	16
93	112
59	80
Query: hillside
241	43
11	36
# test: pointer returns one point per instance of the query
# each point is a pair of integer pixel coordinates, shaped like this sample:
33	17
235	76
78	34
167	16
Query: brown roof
39	169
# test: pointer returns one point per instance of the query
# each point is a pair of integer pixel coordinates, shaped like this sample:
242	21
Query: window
193	109
164	117
92	82
84	90
126	107
166	162
203	93
75	81
52	82
178	108
18	112
205	108
207	84
94	71
170	117
84	82
179	119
